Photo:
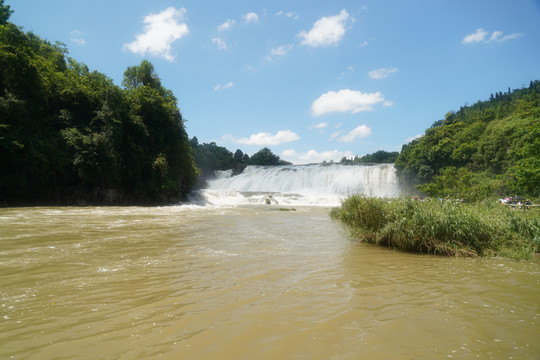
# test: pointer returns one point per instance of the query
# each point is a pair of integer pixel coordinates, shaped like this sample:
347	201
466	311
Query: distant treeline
68	134
491	148
211	157
378	157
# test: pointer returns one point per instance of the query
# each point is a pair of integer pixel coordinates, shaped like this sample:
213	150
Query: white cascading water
315	184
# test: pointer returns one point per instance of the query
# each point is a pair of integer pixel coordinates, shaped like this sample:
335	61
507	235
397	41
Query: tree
490	148
69	134
141	75
211	157
379	157
5	13
454	183
166	164
526	172
238	156
265	157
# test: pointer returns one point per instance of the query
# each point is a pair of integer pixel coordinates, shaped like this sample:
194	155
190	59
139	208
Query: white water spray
315	184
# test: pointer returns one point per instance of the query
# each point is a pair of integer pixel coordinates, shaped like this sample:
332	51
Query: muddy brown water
251	282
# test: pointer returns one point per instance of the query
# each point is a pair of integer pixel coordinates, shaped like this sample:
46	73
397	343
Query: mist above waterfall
315	184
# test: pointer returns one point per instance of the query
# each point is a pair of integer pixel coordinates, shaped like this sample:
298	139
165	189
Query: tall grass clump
445	228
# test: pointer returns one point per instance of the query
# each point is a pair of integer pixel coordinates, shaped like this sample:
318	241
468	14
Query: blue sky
311	80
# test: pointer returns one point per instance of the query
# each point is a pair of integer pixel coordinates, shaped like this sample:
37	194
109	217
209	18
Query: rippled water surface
189	282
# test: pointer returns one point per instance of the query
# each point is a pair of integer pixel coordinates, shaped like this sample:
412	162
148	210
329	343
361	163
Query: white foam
314	185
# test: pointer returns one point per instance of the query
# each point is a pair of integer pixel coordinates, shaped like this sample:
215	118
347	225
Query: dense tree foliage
70	134
266	157
378	157
491	148
211	157
5	13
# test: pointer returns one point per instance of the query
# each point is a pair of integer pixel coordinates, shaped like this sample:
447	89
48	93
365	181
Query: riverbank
80	196
444	228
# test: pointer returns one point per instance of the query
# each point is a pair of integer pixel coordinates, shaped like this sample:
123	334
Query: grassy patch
444	228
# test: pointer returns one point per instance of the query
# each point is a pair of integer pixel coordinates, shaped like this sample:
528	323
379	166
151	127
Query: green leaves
5	13
459	184
378	157
264	157
482	150
67	131
142	75
210	157
526	172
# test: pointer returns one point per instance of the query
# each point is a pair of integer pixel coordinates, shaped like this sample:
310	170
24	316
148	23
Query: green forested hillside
491	148
69	134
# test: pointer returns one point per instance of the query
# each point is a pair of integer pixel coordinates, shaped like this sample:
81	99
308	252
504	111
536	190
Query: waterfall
315	184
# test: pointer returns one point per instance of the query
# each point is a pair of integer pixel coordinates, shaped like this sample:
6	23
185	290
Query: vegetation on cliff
70	134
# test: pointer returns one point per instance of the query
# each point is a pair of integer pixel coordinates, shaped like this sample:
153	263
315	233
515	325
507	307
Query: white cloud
223	87
264	138
76	37
345	101
478	36
314	156
291	14
321	125
382	73
251	18
281	50
222	45
364	44
496	35
278	52
160	31
227	25
326	31
358	132
335	135
501	38
481	35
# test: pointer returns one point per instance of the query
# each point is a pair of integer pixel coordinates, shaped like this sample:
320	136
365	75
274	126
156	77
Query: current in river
246	282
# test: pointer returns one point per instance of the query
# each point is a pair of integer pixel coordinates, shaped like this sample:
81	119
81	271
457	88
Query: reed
442	227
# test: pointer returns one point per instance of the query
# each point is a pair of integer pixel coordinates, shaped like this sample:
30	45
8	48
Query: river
249	281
